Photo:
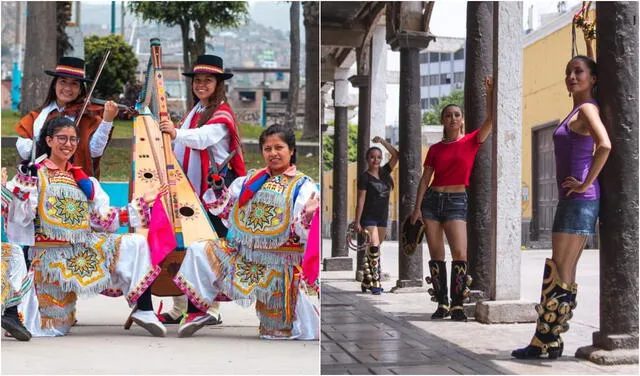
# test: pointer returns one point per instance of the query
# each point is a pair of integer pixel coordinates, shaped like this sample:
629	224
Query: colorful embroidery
250	272
70	211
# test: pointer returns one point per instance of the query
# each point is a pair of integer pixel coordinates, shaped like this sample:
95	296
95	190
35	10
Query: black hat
412	235
209	64
72	67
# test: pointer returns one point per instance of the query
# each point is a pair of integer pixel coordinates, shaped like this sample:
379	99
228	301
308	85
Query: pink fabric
311	259
161	238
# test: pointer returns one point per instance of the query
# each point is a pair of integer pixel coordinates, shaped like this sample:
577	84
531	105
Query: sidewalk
394	334
100	345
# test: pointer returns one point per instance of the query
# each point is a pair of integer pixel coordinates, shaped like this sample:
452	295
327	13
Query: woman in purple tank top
581	149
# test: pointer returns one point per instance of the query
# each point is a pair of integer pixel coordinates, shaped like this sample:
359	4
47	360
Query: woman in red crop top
444	208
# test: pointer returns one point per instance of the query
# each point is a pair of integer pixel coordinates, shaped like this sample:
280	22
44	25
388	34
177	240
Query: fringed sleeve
219	203
22	209
300	225
109	218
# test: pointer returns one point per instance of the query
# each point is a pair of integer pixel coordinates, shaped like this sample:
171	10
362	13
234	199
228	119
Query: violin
95	108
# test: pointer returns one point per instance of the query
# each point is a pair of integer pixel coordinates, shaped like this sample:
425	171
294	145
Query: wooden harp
153	164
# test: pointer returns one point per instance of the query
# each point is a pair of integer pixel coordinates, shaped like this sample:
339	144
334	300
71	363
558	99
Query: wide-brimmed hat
71	67
209	64
412	235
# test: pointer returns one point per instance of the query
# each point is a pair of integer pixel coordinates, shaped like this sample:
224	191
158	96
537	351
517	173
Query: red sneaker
193	323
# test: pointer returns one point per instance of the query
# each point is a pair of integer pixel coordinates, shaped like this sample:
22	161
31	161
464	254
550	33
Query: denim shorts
576	217
442	206
373	222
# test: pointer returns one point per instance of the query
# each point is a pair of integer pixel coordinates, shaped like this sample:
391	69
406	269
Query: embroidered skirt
16	281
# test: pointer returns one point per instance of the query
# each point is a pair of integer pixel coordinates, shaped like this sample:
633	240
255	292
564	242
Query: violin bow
93	86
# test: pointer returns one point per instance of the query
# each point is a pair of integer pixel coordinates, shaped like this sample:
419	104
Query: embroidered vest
264	223
63	209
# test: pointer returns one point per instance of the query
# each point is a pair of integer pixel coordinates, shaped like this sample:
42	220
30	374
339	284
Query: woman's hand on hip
573	185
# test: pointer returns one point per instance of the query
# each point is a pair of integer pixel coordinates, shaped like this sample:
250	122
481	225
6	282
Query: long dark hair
444	131
51	94
217	97
50	128
286	134
383	175
593	68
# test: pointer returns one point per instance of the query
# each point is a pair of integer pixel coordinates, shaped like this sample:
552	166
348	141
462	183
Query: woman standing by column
372	210
577	169
444	208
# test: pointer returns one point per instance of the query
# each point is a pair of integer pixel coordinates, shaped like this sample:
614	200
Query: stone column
409	44
504	293
340	259
617	54
364	136
478	64
378	87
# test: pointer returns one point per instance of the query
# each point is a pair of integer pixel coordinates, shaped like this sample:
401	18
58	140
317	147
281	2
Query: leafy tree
352	148
432	117
203	15
120	69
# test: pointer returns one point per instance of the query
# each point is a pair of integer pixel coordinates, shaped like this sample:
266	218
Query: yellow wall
545	96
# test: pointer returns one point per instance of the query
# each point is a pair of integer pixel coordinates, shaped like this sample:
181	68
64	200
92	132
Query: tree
352	148
120	69
203	15
63	15
294	65
432	117
311	14
40	53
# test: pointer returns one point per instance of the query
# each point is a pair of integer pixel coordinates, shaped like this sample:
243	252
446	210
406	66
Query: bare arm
394	153
590	115
422	189
360	205
487	126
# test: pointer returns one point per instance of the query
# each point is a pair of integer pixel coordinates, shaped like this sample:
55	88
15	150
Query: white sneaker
149	321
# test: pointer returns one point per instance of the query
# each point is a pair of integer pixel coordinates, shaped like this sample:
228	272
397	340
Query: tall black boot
554	311
460	282
438	292
12	324
371	271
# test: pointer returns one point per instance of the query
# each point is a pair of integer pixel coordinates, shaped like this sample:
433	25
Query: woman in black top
372	211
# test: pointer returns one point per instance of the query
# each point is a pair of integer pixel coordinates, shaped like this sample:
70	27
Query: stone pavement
393	333
100	345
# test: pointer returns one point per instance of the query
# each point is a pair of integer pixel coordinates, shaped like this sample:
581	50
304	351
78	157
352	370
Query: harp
154	163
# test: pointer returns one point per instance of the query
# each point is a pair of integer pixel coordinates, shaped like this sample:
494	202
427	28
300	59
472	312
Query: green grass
116	164
122	128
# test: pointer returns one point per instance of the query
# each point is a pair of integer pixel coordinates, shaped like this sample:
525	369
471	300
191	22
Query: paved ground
393	333
100	345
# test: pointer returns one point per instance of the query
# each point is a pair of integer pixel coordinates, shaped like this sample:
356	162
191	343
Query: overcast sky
449	18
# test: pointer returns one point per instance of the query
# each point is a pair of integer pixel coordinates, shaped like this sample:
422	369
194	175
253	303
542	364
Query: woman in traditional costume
16	282
65	97
65	217
208	130
269	213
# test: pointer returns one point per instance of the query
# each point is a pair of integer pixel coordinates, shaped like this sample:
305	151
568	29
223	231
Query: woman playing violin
66	96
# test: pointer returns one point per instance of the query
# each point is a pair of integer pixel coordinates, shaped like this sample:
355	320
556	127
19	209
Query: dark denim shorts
373	222
576	217
442	207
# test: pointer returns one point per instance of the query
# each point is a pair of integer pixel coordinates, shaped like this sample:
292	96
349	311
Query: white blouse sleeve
203	137
24	147
300	224
100	138
22	209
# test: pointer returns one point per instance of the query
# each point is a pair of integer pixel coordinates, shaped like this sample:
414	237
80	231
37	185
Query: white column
378	88
507	49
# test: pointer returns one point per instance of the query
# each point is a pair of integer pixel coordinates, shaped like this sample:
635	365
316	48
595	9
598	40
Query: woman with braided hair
581	146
